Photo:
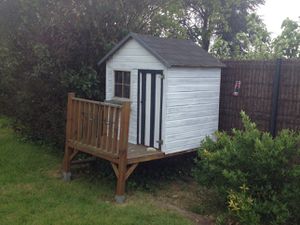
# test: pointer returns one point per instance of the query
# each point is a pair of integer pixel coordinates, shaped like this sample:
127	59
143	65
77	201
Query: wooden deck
135	153
101	129
141	153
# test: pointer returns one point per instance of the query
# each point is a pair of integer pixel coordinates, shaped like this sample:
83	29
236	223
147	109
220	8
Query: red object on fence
237	87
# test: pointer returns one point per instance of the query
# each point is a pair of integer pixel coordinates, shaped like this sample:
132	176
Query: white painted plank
192	102
192	114
192	128
186	96
182	145
192	88
187	109
190	122
193	81
148	108
157	111
192	107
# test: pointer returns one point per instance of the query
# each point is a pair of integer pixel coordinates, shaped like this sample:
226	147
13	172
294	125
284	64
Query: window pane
126	78
118	77
126	90
118	90
122	84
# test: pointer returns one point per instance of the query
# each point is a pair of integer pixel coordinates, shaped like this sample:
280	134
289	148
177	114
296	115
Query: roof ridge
155	53
164	38
170	51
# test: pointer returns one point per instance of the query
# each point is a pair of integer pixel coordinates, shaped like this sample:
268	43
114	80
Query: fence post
275	95
122	164
68	150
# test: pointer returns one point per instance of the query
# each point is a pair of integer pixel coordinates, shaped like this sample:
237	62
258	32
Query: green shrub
257	176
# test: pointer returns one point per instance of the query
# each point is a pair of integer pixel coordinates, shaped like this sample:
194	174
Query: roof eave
200	66
141	42
155	54
114	49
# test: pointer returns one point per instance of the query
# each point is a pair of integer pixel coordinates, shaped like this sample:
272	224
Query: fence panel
289	96
256	91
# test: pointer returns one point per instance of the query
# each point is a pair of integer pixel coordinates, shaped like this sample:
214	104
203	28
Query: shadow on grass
148	176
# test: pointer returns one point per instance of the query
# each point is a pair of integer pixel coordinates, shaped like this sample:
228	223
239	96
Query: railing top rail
97	102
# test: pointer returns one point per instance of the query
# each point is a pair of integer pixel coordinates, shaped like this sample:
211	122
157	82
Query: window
122	84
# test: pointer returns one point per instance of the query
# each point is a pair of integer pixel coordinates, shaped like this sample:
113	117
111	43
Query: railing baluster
79	124
104	131
88	124
94	126
116	132
74	122
111	124
83	122
100	126
86	121
108	118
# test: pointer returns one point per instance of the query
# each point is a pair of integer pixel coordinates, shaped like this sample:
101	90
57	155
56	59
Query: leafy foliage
254	42
51	47
256	175
287	44
206	20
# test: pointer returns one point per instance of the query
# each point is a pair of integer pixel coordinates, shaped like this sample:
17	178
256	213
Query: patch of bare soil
194	217
183	198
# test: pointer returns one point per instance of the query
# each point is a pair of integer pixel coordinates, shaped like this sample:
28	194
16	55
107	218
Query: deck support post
69	152
121	181
122	164
67	164
122	173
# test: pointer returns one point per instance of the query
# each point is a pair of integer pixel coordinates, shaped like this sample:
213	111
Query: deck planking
139	153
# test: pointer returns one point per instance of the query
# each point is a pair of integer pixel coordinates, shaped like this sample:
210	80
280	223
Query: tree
50	47
253	43
206	20
287	44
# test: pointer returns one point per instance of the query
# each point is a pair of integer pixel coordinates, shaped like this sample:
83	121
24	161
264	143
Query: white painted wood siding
192	107
131	57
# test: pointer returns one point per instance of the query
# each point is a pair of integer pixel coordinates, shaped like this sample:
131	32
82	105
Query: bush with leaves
256	175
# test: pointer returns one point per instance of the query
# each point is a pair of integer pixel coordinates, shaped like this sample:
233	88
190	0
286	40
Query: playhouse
162	99
173	88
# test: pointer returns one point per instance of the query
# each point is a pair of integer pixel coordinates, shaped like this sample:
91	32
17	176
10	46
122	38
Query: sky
275	11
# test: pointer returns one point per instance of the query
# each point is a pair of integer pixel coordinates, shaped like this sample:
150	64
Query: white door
150	100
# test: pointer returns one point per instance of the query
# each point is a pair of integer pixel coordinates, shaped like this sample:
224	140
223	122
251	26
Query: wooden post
122	164
68	150
275	96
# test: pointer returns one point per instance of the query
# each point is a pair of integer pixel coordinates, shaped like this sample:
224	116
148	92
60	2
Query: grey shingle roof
171	52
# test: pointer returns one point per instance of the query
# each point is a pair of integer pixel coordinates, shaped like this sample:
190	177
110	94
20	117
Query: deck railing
98	127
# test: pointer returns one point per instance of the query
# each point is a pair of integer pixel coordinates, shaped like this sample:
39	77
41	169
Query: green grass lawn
32	192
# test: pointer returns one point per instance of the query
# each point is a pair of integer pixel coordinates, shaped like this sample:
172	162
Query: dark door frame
141	138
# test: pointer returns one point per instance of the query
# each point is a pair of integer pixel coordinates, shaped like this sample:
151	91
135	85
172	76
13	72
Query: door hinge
161	142
162	76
